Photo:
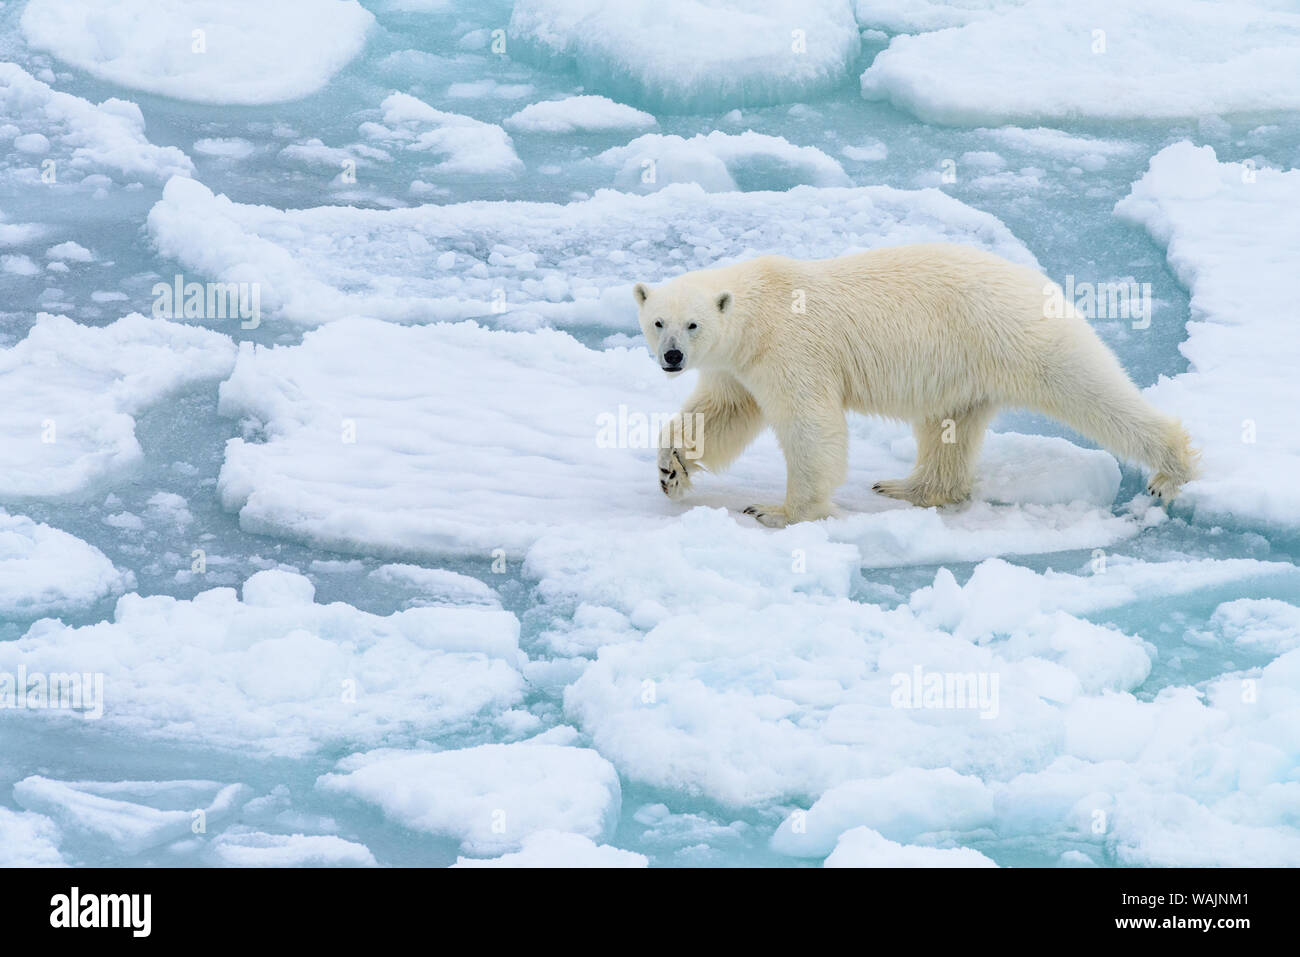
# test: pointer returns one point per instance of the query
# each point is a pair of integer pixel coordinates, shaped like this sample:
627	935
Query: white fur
939	335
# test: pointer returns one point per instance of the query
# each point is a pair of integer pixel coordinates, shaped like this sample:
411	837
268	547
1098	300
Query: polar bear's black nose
673	357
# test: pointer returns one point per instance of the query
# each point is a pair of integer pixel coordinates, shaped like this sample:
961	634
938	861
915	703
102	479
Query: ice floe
720	162
1104	59
667	54
71	392
558	849
1226	242
279	674
129	816
232	51
462	145
525	263
490	798
863	847
46	571
244	847
79	138
571	433
578	114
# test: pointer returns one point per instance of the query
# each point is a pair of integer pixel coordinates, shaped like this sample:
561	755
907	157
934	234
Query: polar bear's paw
922	496
1164	487
674	477
773	516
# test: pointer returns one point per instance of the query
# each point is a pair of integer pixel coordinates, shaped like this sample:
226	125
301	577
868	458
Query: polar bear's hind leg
1084	386
947	448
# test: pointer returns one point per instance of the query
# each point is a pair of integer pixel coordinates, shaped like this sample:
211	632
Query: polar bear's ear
723	301
640	291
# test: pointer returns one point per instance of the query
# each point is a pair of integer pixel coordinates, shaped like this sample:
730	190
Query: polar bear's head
684	323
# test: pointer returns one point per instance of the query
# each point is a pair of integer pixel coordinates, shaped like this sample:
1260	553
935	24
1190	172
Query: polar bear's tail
1084	386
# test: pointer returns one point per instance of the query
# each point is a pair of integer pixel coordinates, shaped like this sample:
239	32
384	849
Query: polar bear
939	335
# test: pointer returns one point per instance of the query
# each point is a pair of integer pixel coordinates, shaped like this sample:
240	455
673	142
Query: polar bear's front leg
816	446
715	425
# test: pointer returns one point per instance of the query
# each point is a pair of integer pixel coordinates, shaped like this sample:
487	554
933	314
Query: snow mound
490	798
1104	59
720	162
1225	242
522	263
578	114
558	849
281	675
70	393
46	571
205	51
685	56
80	137
565	453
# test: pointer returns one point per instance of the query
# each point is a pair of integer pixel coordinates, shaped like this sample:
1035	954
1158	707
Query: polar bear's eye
693	325
659	324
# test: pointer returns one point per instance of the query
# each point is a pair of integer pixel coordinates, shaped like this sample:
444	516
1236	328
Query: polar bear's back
926	324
